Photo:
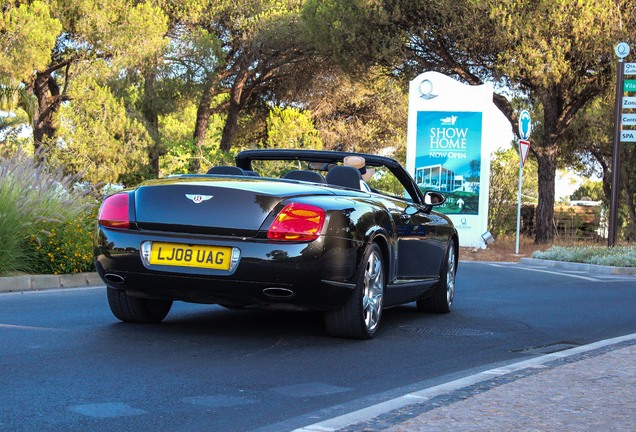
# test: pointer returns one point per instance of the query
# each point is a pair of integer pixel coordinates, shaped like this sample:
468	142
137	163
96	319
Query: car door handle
405	216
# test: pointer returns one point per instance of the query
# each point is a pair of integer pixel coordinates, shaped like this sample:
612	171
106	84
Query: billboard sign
449	147
448	157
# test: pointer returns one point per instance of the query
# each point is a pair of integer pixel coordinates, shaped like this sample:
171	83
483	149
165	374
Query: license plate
182	255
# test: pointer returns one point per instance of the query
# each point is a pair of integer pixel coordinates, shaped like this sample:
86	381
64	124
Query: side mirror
433	198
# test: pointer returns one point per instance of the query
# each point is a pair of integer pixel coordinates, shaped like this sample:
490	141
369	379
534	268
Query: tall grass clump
33	198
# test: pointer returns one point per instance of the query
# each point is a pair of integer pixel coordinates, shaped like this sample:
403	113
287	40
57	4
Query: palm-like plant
20	101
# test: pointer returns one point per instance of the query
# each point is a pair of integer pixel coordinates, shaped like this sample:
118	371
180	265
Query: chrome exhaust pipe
279	293
115	279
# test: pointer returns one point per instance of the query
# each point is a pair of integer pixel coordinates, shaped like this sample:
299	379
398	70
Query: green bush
29	194
64	247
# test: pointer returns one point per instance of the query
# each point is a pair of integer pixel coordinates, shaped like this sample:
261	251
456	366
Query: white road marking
21	327
51	290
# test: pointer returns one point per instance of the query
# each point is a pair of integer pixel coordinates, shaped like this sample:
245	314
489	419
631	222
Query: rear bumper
316	275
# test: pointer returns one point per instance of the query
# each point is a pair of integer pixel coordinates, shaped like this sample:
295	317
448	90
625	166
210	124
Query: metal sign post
525	127
622	51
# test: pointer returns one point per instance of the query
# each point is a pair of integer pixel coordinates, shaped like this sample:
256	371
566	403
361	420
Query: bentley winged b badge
197	199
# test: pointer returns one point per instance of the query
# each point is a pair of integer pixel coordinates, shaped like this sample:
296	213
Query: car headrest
226	170
344	176
308	176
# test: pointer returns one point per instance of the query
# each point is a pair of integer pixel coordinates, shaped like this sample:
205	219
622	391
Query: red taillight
114	211
297	222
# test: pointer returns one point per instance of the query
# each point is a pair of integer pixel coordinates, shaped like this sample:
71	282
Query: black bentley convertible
283	229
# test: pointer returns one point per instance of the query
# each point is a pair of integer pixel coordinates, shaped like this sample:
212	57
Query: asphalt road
67	364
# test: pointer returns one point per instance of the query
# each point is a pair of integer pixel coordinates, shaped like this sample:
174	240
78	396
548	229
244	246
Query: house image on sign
437	177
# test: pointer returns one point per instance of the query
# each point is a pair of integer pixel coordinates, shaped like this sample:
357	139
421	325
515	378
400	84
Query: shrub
30	193
64	247
615	256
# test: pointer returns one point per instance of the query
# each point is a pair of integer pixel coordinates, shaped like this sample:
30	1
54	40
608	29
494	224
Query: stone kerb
582	267
41	282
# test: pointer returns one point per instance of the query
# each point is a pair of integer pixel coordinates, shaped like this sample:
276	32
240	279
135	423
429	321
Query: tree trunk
152	118
204	111
47	92
236	104
545	208
546	152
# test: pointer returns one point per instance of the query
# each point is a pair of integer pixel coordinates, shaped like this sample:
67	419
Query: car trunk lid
220	206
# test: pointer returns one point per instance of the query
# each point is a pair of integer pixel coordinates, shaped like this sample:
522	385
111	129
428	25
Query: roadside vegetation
618	256
46	221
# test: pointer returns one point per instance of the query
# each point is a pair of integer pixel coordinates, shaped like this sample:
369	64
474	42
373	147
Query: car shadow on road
216	321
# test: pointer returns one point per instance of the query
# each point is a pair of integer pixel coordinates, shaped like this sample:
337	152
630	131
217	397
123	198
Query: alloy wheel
373	291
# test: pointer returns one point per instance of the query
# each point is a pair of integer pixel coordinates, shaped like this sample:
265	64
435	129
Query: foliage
64	247
53	41
29	33
384	181
591	137
131	94
216	156
178	159
175	131
291	128
558	62
20	102
563	68
547	55
504	187
176	128
347	31
276	169
31	193
130	33
258	46
13	140
615	256
367	113
97	137
590	189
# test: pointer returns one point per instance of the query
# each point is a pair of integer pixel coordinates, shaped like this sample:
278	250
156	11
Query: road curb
388	412
42	282
572	266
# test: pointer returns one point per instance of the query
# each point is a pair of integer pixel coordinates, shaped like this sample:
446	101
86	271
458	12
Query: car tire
359	318
135	309
441	301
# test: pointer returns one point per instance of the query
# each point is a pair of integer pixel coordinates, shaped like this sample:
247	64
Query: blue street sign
525	125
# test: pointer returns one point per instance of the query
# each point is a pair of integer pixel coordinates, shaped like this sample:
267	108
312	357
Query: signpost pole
525	127
519	200
622	49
